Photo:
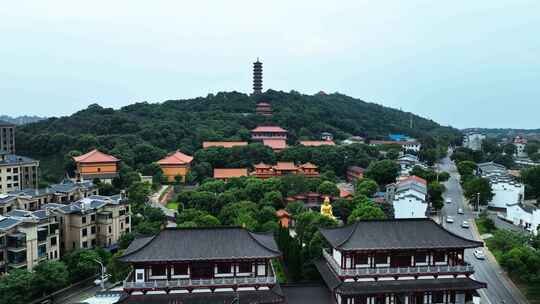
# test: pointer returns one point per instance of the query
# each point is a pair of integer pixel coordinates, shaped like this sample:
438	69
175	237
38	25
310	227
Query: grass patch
172	205
485	225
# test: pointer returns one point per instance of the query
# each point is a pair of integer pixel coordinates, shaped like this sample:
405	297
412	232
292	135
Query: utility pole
477	201
102	284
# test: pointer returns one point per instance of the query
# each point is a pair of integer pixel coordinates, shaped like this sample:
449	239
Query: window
53	241
84	244
224	268
244	267
437	297
121	225
93	230
360	259
98	169
139	276
1	256
127	208
381	259
93	218
110	229
83	219
84	232
94	243
439	257
180	269
420	258
159	270
127	220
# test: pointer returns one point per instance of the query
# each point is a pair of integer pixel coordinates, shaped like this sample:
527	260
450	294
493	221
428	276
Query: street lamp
102	283
477	202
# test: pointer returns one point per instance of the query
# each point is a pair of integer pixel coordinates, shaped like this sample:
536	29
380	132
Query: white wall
518	216
409	207
506	193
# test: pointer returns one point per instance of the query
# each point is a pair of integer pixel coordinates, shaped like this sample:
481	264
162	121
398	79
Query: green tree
435	192
531	178
532	148
125	239
509	149
49	276
383	172
466	168
117	269
16	287
82	264
295	208
366	212
478	186
328	188
367	187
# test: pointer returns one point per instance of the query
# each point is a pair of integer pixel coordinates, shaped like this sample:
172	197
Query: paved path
500	288
154	201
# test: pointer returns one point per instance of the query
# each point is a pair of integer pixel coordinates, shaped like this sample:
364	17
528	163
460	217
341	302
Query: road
499	290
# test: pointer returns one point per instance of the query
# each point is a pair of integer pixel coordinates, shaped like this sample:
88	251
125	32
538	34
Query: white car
449	219
465	224
479	254
448	200
460	211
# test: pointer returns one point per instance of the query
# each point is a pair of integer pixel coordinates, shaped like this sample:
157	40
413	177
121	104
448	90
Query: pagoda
257	77
263	109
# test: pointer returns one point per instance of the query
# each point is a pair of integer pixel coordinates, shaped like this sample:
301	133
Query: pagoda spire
257	77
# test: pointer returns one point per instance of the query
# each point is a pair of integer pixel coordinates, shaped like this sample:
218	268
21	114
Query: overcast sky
462	63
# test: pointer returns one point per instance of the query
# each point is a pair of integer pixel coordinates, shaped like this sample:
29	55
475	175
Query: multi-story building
27	238
175	164
34	199
409	197
17	172
397	261
473	141
268	132
202	265
92	221
520	143
96	165
507	190
285	168
407	162
7	137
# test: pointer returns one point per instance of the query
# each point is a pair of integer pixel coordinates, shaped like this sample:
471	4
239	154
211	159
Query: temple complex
96	164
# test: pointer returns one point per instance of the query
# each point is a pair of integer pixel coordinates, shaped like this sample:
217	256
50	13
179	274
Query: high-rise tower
257	77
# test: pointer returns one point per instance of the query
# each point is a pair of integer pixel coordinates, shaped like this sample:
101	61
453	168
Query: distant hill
184	124
21	120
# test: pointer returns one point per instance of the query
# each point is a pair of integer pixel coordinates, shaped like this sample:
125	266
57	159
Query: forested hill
184	124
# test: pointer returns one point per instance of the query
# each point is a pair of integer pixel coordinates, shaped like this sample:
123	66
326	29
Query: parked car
465	224
479	254
448	200
460	211
449	219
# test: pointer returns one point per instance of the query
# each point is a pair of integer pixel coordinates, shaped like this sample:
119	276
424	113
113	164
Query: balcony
399	271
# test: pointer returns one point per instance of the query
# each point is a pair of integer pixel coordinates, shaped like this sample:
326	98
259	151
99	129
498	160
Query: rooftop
13	159
176	158
275	144
290	166
229	173
395	234
95	156
225	144
188	244
275	129
317	143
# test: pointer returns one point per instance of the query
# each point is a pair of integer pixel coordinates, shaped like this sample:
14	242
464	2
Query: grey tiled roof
273	295
395	234
12	159
7	223
188	244
4	199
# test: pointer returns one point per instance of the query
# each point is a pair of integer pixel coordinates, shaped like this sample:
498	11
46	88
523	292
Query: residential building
92	221
355	173
473	141
353	140
401	261
96	165
327	136
275	144
17	172
263	109
202	265
224	144
411	145
7	137
27	238
407	162
263	170
506	188
525	215
175	164
409	197
520	143
268	132
227	173
317	143
34	199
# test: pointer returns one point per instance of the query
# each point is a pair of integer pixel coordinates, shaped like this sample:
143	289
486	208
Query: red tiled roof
285	166
263	104
228	173
275	144
317	143
262	166
95	156
414	178
269	129
344	193
176	158
225	144
282	213
309	166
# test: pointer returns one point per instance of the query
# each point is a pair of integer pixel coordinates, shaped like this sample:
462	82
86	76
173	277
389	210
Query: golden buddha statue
326	208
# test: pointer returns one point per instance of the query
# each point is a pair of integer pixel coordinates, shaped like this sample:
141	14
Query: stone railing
437	269
185	283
